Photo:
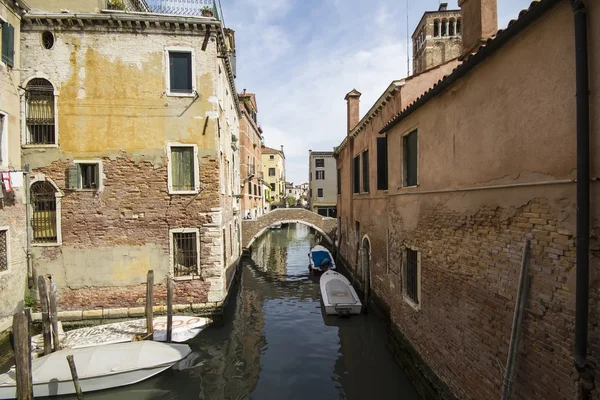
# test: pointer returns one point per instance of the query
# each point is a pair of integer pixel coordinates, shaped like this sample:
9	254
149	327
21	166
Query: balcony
251	170
192	8
260	175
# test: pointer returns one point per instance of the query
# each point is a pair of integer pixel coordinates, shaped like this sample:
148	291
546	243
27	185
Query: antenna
407	44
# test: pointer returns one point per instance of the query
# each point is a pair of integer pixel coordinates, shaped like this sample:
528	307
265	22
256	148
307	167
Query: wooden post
149	309
54	318
169	307
75	377
45	315
22	351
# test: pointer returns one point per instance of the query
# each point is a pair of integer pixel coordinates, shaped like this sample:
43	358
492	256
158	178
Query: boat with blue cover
320	260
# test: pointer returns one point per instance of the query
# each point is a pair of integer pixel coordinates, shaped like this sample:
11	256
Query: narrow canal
276	343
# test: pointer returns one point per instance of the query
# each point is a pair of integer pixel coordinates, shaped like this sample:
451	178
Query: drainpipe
26	174
583	199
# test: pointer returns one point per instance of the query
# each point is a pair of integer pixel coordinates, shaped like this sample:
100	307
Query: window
40	113
224	249
271	157
357	174
4	261
320	175
181	80
458	26
85	175
271	171
290	191
272	186
320	193
339	181
451	27
183	167
184	249
365	170
255	190
436	28
320	163
382	163
3	139
43	219
47	40
357	232
410	159
8	44
411	276
249	188
445	27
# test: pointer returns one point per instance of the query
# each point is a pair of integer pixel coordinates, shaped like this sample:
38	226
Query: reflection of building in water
270	251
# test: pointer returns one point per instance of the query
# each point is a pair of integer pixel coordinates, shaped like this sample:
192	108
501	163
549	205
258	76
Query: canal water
276	344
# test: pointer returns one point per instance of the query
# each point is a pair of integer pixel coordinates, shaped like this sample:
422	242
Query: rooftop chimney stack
443	7
353	111
479	23
282	148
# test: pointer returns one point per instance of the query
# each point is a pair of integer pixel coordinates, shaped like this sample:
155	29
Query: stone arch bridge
252	229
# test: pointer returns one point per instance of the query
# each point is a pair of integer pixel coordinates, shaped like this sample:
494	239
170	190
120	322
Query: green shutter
5	42
73	177
11	46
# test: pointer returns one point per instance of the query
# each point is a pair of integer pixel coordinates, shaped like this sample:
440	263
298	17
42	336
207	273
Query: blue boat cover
320	256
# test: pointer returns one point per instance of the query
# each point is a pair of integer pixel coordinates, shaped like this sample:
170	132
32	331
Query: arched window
43	221
436	28
458	26
451	27
445	27
39	112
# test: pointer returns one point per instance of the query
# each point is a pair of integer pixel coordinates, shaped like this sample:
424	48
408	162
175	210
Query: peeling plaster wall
511	121
12	207
113	106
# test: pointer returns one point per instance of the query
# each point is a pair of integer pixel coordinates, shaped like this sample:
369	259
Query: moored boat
338	295
184	328
98	368
320	260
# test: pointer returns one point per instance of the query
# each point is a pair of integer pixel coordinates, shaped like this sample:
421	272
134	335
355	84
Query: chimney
443	7
479	23
353	112
282	148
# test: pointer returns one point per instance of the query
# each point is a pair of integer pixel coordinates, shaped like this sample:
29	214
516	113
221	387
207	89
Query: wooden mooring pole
54	317
43	292
75	377
22	352
169	308
149	304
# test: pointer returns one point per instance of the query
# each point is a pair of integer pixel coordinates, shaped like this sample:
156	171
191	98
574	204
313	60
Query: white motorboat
184	328
338	295
98	368
320	260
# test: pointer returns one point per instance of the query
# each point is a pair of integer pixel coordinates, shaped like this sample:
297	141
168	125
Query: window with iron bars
3	250
39	112
411	276
43	219
185	253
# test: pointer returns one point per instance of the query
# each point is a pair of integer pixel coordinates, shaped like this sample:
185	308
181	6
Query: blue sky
301	57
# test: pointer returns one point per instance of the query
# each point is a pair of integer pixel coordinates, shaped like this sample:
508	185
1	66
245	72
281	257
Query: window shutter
5	42
73	177
11	46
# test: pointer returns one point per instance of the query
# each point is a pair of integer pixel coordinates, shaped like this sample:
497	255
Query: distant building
250	152
274	174
322	176
437	38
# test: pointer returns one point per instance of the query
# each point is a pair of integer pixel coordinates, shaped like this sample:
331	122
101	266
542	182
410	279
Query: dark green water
276	344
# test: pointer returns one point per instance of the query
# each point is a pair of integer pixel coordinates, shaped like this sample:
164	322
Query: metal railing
196	8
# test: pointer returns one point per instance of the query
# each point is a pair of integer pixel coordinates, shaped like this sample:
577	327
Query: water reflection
277	344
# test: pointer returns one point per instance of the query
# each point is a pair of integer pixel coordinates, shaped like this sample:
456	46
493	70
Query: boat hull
338	295
87	384
316	256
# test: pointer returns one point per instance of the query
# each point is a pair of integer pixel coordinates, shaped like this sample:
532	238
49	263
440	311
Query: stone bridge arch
252	229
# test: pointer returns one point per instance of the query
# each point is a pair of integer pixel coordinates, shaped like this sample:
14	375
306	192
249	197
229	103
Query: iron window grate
3	250
412	276
185	254
43	220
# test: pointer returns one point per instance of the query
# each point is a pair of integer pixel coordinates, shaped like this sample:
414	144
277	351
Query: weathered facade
437	38
322	178
129	122
464	180
13	227
252	203
274	175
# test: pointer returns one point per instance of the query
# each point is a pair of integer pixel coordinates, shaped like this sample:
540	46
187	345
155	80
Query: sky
301	57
